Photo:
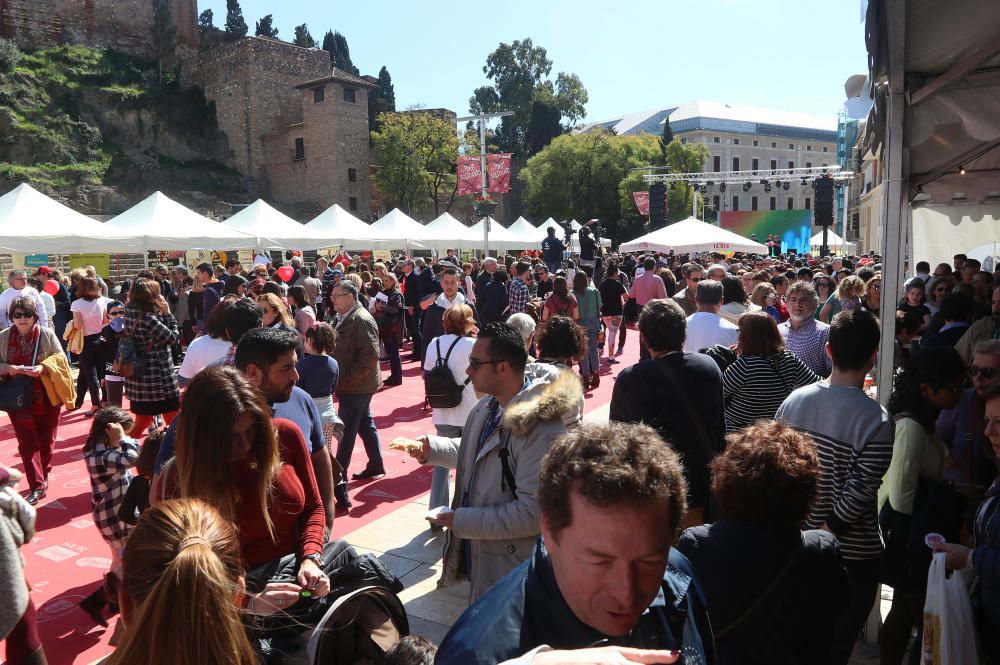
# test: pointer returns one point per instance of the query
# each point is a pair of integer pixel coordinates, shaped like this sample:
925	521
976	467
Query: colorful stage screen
794	227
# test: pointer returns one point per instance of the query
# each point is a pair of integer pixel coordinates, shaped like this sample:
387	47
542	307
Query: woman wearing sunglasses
23	348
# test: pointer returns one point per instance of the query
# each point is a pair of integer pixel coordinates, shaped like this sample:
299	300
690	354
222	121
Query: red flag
470	175
498	170
641	202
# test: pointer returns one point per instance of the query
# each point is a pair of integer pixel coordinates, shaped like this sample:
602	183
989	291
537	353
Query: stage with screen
793	227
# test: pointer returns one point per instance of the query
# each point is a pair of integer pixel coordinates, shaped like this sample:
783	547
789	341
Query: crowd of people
747	425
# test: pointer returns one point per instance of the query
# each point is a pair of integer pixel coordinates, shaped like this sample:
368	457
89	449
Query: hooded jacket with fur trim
495	527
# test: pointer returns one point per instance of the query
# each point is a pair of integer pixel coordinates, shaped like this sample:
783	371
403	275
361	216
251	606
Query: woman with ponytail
182	590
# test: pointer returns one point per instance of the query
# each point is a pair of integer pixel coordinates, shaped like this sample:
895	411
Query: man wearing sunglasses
18	280
686	297
495	518
961	428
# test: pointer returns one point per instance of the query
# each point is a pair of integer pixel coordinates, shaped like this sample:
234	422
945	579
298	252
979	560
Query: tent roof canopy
31	223
397	230
446	232
693	235
158	222
273	229
946	57
336	226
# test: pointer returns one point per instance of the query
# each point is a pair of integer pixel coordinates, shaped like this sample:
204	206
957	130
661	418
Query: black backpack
440	387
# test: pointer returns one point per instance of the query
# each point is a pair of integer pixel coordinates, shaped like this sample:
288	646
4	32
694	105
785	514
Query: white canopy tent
693	235
158	222
935	123
337	227
446	232
397	230
32	223
274	230
833	241
522	228
500	238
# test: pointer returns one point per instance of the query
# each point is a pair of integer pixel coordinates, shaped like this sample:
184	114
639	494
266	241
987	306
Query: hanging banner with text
498	173
641	202
470	175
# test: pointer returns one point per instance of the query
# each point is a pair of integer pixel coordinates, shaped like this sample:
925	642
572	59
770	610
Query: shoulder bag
19	392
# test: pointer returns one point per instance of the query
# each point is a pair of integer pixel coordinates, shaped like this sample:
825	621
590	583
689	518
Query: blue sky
631	55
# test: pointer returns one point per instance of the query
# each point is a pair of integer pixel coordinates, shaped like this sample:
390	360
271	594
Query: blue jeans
439	479
590	362
356	412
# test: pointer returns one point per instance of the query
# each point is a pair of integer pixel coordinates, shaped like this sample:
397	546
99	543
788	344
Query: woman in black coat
774	592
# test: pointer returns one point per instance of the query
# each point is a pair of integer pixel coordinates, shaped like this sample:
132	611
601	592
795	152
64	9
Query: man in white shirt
19	287
706	327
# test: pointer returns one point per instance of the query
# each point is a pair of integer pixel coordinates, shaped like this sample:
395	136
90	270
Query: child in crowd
136	499
411	650
109	454
318	376
914	302
113	383
849	292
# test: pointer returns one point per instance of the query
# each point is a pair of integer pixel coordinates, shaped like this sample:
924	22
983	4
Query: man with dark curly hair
612	497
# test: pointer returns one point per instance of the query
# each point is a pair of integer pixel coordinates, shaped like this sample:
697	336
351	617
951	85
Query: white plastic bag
949	635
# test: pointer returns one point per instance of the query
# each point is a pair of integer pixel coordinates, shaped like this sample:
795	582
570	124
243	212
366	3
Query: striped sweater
853	435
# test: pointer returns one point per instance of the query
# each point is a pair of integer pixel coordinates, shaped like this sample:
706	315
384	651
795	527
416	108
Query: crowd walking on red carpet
227	402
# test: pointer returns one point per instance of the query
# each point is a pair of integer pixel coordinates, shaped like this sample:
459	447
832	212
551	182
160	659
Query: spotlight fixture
961	170
709	183
785	186
767	186
722	187
763	181
805	181
747	185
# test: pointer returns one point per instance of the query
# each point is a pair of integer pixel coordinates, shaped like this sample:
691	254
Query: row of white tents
32	223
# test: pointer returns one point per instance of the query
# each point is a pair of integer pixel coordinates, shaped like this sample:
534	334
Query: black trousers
863	576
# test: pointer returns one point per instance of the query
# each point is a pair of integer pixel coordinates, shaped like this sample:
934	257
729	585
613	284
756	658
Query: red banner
641	202
470	175
498	170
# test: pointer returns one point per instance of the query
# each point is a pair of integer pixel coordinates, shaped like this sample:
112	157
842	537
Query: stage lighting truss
781	179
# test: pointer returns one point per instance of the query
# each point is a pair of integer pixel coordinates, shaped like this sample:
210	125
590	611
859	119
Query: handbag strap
766	593
38	340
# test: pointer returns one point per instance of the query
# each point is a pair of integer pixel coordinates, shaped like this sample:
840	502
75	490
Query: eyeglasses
476	364
984	372
22	315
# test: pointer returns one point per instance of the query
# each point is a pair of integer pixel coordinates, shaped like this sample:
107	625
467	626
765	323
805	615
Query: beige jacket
502	526
48	345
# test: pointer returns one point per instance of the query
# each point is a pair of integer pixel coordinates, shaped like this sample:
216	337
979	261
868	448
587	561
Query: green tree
163	33
265	27
335	44
235	25
666	138
206	20
678	158
381	100
417	152
302	37
520	72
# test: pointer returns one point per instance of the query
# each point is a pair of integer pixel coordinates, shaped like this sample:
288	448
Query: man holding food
494	518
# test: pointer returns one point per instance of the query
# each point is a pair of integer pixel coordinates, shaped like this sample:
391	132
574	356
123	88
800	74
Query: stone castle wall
123	25
252	82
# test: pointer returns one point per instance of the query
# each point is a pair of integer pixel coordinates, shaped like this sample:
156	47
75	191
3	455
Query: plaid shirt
517	296
808	342
109	480
154	335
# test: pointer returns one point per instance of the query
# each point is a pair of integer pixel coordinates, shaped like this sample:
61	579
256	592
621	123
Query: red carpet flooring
67	558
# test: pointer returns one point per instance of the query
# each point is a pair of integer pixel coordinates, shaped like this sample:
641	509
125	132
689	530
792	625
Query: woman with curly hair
778	602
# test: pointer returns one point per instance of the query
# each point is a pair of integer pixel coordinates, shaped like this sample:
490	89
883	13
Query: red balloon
51	287
285	273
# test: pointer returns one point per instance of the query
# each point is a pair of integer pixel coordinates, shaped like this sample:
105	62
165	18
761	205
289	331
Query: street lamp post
483	205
